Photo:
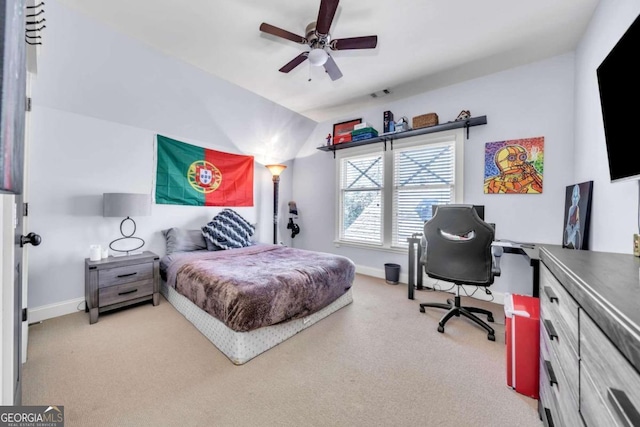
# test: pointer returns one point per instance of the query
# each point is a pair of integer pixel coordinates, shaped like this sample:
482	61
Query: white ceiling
422	44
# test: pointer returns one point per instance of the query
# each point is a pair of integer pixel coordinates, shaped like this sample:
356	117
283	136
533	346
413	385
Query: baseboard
379	273
496	297
38	314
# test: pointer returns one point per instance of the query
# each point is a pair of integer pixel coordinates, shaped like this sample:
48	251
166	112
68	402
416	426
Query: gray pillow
181	240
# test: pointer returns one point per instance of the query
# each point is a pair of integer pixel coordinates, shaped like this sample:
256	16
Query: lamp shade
126	204
318	57
276	170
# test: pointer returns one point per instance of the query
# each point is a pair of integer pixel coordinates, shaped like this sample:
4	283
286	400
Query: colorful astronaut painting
577	209
514	166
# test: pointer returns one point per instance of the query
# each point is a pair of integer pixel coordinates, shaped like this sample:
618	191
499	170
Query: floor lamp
275	170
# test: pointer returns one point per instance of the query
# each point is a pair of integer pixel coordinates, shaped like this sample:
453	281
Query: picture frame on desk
345	127
577	213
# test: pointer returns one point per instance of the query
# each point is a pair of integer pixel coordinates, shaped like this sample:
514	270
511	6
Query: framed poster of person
577	213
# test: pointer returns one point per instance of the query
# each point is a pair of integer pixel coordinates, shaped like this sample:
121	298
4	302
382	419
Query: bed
247	300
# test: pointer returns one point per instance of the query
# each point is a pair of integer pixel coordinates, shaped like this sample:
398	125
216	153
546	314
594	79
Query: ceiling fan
317	37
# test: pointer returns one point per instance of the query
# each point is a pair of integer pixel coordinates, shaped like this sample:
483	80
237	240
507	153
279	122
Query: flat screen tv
619	85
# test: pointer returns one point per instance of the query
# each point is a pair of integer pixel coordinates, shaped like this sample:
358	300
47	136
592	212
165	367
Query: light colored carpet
375	362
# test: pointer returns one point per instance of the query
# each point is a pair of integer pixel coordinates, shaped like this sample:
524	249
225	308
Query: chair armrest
496	253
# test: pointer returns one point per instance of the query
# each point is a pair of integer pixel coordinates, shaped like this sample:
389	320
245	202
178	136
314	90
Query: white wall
614	211
529	101
99	99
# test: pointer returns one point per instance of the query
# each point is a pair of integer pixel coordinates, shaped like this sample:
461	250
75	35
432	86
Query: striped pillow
228	230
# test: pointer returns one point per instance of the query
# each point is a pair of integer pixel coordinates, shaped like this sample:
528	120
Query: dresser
589	338
117	282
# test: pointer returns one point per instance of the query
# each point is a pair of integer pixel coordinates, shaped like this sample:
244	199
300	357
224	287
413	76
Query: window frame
455	135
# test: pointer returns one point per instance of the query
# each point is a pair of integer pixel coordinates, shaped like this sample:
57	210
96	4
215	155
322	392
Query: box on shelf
424	121
362	126
364	130
363	136
364	133
402	127
343	137
387	122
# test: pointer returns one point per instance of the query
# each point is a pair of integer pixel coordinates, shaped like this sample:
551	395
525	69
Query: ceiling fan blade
294	62
325	15
366	42
270	29
332	69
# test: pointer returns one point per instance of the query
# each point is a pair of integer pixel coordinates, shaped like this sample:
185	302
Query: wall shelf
472	121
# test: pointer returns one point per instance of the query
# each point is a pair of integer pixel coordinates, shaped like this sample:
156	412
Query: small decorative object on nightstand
117	282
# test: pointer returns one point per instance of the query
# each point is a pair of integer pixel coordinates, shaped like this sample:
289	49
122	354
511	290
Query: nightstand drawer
126	274
128	291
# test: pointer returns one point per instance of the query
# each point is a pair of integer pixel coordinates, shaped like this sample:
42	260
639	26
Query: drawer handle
120	276
551	330
624	408
550	294
550	373
128	292
548	418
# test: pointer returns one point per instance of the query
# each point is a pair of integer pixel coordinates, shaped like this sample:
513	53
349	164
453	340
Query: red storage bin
522	336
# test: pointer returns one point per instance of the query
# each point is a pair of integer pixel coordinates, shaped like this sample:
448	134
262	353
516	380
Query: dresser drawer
559	325
548	402
559	306
609	385
554	334
125	292
558	387
126	274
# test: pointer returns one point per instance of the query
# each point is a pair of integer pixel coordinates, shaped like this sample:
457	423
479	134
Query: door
17	303
22	204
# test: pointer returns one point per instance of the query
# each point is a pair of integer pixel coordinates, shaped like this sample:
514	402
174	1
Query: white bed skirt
240	347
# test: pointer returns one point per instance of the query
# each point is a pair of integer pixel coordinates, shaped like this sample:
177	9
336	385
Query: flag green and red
190	175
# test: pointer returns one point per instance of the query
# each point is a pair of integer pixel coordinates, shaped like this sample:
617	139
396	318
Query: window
386	196
361	179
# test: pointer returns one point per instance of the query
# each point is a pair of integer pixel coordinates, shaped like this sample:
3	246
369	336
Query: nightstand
117	282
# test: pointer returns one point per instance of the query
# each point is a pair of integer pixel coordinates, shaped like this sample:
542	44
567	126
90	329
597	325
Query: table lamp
126	205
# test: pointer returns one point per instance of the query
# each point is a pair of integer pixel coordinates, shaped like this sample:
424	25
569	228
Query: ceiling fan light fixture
318	57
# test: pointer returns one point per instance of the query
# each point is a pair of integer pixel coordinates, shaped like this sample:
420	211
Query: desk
530	252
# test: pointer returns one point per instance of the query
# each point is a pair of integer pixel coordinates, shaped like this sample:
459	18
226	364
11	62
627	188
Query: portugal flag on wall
191	175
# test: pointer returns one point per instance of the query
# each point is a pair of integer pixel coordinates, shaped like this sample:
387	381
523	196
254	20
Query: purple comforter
260	285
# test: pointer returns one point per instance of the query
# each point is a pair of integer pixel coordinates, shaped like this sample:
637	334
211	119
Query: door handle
32	238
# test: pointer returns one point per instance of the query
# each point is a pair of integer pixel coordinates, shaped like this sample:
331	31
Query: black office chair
458	249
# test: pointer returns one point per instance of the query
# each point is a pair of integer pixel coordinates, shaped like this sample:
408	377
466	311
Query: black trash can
392	273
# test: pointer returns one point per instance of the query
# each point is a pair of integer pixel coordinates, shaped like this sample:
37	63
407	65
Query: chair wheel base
422	310
490	319
441	329
491	337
